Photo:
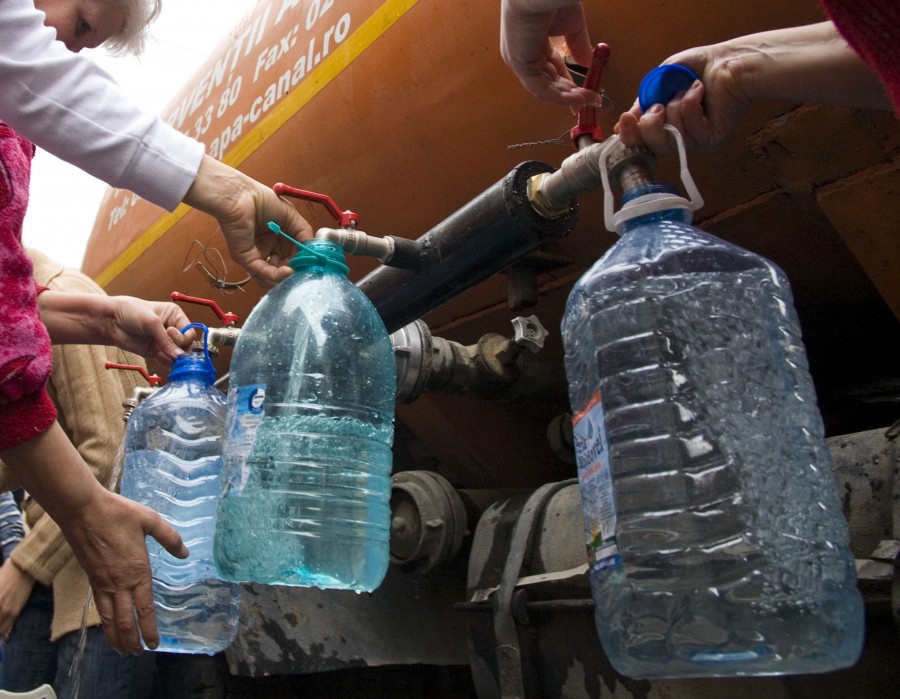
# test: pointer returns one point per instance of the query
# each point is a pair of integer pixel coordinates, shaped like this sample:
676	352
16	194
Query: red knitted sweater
872	28
25	355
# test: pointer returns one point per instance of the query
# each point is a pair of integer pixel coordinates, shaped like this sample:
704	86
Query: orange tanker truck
403	112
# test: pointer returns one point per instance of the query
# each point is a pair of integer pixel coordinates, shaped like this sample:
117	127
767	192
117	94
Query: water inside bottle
310	512
724	543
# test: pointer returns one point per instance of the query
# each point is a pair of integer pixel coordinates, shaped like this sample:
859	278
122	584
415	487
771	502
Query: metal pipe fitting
551	193
226	337
134	400
494	367
582	172
428	521
358	243
488	234
393	251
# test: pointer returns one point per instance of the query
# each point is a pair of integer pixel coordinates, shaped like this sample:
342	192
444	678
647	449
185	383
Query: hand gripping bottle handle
649	203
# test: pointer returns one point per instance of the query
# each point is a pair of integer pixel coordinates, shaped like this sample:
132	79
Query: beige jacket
89	400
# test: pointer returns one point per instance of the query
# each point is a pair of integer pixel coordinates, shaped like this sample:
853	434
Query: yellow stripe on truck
348	51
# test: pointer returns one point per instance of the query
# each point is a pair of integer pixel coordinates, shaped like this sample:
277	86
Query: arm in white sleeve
69	106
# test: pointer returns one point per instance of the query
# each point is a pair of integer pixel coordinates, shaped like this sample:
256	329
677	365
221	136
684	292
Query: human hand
525	45
105	531
15	588
705	114
244	208
148	328
811	63
109	542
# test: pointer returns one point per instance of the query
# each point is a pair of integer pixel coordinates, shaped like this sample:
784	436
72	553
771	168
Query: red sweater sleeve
25	353
872	28
25	419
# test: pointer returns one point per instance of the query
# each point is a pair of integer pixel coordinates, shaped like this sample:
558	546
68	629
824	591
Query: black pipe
482	238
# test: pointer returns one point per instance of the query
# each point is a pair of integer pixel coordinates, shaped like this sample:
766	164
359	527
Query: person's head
120	25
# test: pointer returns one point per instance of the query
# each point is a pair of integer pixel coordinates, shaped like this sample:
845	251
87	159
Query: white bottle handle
695	200
693	193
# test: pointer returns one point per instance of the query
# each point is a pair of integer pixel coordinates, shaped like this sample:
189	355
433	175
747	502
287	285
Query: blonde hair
138	16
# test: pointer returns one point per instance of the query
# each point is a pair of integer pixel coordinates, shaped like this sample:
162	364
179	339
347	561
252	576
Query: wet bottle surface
306	491
173	463
717	540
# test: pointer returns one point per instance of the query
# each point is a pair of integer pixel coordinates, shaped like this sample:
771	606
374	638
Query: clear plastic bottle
173	464
717	542
306	487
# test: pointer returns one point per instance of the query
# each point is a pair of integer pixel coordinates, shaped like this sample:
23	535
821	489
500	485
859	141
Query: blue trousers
31	659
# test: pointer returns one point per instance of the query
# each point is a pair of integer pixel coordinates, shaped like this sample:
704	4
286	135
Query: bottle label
595	483
246	409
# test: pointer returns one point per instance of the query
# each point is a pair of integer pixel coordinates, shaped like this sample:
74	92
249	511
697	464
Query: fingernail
656	109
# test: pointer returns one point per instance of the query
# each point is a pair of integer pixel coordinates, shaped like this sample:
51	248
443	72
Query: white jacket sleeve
69	106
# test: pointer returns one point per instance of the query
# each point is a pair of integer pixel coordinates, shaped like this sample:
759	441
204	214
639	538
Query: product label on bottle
595	483
246	408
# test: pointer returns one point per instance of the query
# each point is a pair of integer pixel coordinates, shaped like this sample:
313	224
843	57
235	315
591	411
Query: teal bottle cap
663	83
324	253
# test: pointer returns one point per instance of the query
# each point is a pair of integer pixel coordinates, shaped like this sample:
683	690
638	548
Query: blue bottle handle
205	330
663	83
180	366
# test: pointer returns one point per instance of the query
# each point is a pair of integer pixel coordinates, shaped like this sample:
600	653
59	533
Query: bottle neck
645	200
323	255
679	215
193	367
633	175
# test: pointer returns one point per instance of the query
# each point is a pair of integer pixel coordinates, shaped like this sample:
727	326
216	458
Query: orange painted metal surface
403	111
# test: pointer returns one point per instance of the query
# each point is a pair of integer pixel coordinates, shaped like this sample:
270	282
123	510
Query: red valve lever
587	116
345	218
228	317
152	379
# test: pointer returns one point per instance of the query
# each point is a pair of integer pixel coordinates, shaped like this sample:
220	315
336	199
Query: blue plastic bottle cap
662	83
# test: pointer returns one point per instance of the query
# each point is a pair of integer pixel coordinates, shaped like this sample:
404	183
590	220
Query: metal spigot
393	251
140	392
550	193
226	336
529	333
494	367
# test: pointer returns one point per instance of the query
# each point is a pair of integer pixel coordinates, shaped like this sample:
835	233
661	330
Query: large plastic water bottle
716	537
173	464
306	487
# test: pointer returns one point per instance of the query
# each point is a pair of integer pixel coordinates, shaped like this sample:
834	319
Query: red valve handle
152	379
228	317
345	218
587	116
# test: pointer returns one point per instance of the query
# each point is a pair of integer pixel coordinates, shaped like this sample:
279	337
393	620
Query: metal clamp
506	636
